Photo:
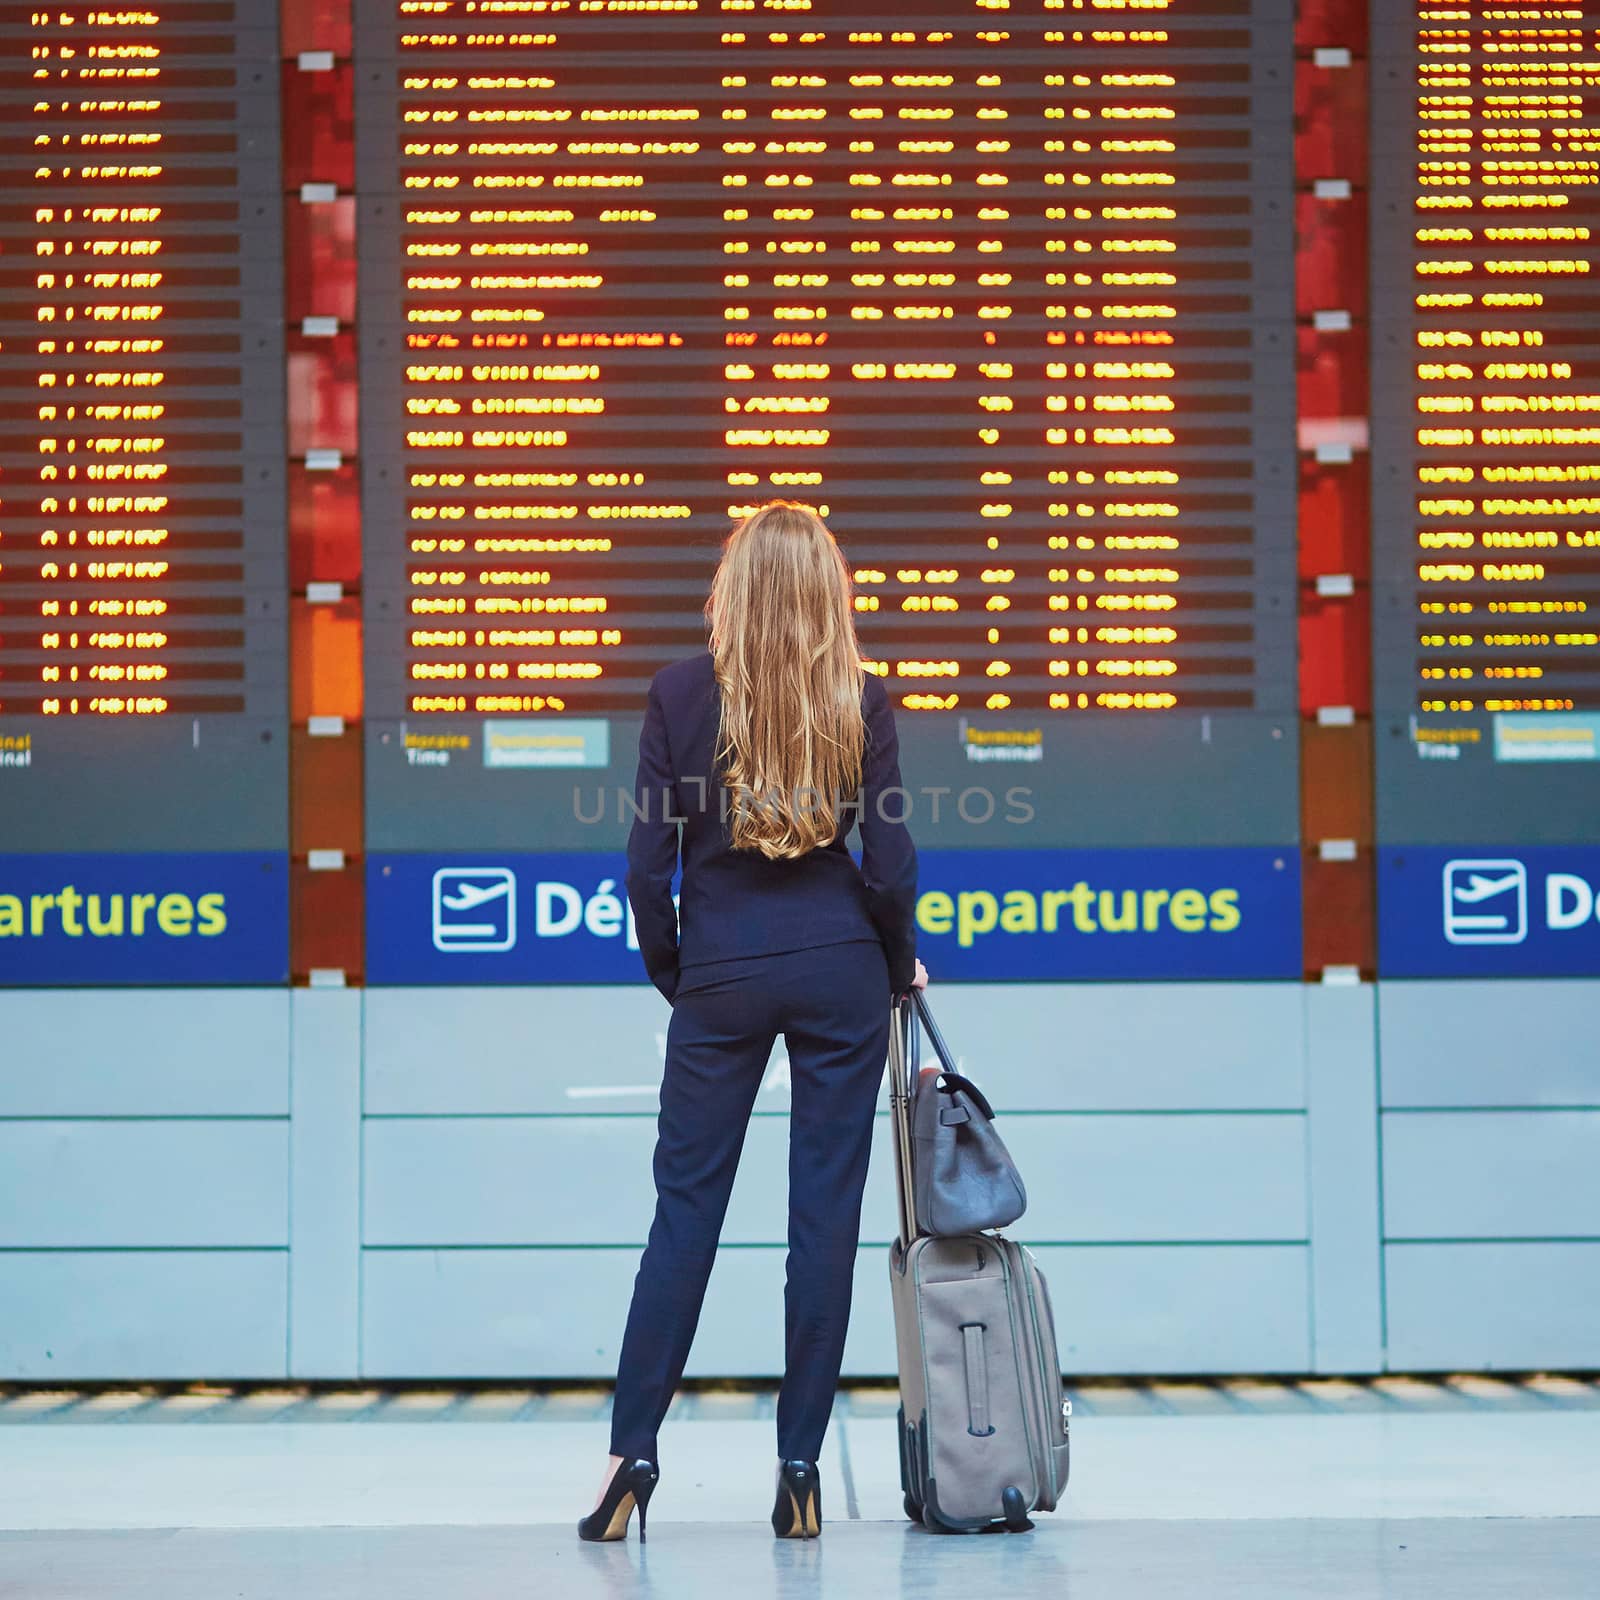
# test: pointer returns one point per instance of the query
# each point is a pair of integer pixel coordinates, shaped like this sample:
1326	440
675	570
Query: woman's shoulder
687	674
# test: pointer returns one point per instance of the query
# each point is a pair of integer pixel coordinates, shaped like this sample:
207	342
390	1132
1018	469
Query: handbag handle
947	1065
954	1081
935	1038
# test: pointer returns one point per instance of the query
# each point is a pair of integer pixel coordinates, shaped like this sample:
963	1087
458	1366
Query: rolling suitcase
983	1420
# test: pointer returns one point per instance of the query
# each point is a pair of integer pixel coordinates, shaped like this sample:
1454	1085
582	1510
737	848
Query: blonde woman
755	762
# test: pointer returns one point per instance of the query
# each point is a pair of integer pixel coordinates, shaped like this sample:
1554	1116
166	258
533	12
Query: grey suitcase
983	1419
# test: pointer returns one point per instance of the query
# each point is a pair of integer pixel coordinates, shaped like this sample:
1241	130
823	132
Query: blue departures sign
982	915
1111	914
1478	911
214	918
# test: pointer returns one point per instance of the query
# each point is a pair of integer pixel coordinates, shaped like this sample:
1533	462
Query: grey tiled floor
1456	1488
1284	1560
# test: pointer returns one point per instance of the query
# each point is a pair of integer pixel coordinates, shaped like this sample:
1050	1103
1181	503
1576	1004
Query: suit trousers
831	1004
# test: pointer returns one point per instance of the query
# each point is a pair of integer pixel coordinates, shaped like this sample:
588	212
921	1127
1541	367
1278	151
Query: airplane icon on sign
474	908
469	896
1485	902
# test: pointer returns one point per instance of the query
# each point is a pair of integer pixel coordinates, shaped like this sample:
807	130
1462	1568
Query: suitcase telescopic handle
902	1080
909	1018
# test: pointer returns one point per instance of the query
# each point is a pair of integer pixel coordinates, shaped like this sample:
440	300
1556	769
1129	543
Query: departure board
1486	421
143	588
1003	290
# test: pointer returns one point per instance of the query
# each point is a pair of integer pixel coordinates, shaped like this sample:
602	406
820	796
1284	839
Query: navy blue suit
736	902
811	949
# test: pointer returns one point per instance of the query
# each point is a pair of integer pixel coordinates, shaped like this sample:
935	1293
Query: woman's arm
888	857
653	852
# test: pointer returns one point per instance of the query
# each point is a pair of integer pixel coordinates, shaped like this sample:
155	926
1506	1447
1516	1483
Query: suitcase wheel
1015	1509
913	1510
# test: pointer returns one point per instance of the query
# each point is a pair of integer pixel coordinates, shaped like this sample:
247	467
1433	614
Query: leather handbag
963	1177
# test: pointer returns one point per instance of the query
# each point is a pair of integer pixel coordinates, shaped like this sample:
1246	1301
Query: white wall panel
1491	1174
1342	1138
144	1052
145	1163
1515	1307
1042	1047
587	1180
1513	1042
560	1312
325	1185
86	1315
130	1183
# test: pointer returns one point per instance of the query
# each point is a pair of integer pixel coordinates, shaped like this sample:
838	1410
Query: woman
764	752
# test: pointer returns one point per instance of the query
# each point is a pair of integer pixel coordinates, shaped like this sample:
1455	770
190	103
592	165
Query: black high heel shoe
798	1512
632	1485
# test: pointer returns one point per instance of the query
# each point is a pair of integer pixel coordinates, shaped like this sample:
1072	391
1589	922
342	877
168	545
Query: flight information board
1004	290
143	585
1486	421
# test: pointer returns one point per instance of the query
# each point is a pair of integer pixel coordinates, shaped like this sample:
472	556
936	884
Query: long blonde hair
783	638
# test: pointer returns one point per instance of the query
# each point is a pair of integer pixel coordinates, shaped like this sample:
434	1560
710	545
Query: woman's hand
921	979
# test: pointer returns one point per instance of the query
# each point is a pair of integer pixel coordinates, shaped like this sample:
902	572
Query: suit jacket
736	903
